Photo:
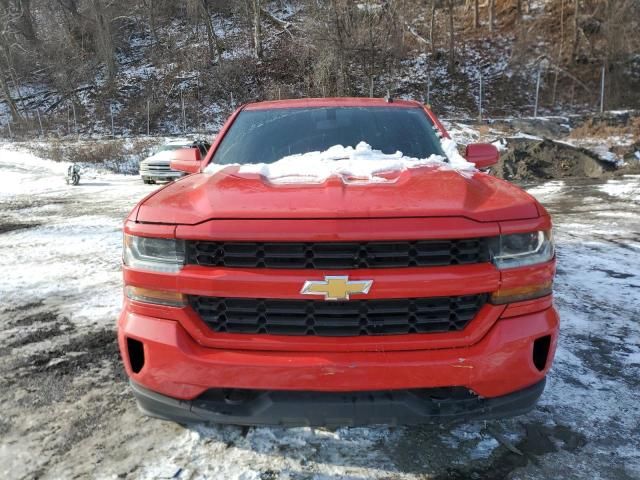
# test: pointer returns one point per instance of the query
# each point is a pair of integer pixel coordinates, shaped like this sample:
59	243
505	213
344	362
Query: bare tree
576	27
257	33
560	53
452	51
21	19
476	14
103	39
151	9
75	22
492	15
9	32
620	35
213	42
432	25
475	6
6	92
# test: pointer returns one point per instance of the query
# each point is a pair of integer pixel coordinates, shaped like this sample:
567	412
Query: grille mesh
338	255
343	318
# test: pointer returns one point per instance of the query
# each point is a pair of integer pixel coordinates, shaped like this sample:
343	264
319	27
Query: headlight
522	249
157	254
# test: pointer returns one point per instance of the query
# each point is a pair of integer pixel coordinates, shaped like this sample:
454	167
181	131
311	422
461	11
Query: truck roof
332	102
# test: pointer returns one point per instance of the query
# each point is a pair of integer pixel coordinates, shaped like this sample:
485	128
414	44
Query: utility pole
113	132
535	110
429	89
75	122
602	91
480	97
184	118
40	122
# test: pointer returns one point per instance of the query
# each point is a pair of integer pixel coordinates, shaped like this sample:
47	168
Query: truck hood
416	192
160	157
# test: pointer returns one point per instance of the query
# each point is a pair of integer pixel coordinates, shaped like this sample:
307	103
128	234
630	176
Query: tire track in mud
52	366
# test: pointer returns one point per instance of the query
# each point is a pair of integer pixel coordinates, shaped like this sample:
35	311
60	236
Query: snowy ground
67	412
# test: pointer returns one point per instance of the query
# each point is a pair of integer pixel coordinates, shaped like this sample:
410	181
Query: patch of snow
605	154
369	7
463	133
618	188
359	164
69	253
546	190
633	358
500	144
526	135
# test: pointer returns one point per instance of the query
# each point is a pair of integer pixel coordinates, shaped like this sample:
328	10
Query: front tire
75	179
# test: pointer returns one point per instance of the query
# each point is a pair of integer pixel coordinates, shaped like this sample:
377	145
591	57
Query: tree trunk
215	55
342	83
476	14
25	20
560	53
71	6
74	23
492	15
257	35
104	40
15	113
576	33
452	52
432	25
152	22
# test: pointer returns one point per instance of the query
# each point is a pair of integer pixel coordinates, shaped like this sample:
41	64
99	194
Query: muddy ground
67	411
527	160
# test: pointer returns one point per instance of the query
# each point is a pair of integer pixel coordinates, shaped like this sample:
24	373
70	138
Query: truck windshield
170	147
265	136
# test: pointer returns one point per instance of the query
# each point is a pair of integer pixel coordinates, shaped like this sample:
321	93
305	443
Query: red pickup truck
421	295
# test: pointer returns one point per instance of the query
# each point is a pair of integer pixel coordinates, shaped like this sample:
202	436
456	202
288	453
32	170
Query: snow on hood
361	164
163	155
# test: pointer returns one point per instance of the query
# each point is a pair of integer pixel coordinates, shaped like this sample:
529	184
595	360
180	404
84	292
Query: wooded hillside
70	66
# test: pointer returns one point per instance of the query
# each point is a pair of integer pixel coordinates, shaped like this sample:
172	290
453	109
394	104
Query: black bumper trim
285	408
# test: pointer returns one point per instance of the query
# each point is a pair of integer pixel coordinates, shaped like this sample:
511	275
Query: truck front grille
338	255
156	167
342	318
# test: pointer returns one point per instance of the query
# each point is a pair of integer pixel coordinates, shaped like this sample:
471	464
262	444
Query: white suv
157	166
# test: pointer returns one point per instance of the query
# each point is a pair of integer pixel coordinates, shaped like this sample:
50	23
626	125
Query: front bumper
160	175
286	408
177	370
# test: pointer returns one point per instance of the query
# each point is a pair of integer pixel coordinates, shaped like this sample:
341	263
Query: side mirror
186	160
483	155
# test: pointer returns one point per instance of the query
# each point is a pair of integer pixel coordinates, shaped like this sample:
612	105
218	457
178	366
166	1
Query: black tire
75	179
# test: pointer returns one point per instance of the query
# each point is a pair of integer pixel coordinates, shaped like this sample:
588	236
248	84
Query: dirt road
67	411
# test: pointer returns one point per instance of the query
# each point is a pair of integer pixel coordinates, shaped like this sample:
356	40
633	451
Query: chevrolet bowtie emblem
336	287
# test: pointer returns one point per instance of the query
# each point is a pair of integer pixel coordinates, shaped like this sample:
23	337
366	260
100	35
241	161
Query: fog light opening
541	351
135	350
